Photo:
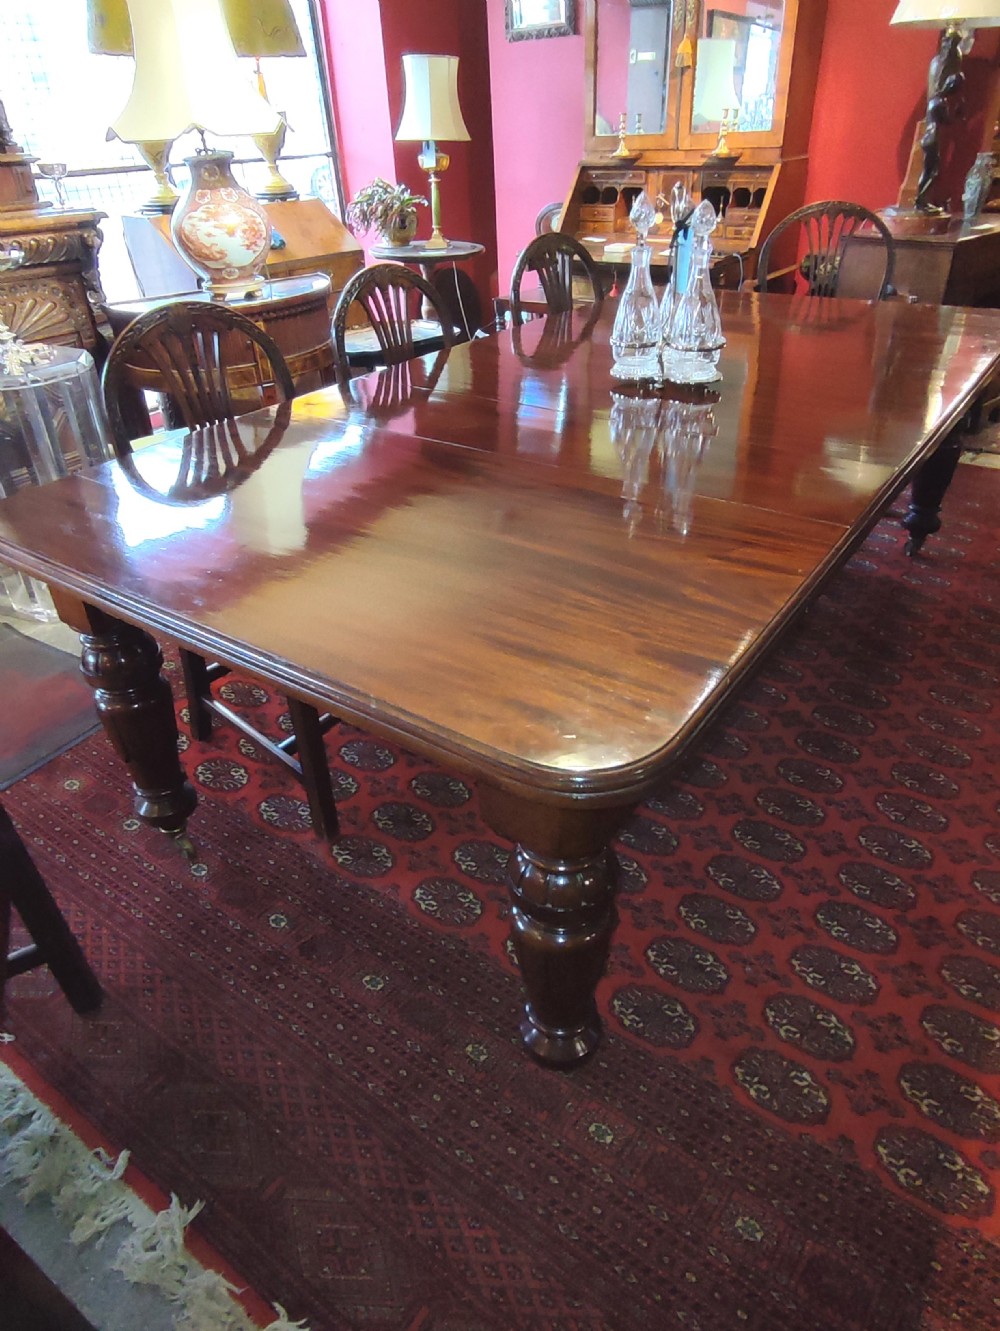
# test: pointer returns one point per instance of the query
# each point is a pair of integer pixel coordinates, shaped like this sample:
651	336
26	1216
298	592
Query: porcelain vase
221	230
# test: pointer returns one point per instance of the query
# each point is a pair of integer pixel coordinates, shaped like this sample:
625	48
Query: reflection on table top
497	554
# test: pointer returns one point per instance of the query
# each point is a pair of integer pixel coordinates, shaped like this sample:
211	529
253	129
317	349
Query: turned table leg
122	665
562	893
928	490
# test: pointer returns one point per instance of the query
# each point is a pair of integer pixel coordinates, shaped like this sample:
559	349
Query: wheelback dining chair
210	364
565	270
23	890
386	295
829	266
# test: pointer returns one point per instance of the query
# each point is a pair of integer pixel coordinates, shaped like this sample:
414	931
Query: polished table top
493	555
460	571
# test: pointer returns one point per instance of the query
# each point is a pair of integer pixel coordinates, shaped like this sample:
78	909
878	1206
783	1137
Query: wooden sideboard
941	262
315	241
55	295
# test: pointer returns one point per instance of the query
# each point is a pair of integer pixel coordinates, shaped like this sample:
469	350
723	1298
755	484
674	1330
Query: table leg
928	490
562	893
122	665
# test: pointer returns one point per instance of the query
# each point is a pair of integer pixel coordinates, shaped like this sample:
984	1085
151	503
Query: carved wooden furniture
55	295
810	250
649	70
294	311
455	287
22	889
465	574
314	242
943	261
564	269
385	293
209	362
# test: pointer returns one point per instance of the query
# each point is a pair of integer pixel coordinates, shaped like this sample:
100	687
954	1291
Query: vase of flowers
389	209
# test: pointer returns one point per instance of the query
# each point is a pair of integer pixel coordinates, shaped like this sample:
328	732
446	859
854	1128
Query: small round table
427	259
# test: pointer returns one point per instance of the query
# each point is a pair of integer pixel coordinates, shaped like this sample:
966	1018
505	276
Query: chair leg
194	669
315	768
23	889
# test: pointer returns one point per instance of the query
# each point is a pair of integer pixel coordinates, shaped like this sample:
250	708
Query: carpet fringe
86	1191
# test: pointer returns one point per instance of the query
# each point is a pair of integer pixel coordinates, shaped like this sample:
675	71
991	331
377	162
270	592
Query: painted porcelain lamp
188	76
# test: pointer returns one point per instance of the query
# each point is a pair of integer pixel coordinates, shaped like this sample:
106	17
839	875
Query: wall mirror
539	18
676	68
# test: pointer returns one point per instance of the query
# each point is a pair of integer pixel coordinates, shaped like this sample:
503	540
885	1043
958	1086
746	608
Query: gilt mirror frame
525	19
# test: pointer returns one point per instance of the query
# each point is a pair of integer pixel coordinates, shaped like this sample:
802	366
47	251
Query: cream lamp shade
944	13
257	27
263	28
431	110
432	114
188	76
714	89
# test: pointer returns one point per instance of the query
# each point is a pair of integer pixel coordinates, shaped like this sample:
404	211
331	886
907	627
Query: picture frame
526	19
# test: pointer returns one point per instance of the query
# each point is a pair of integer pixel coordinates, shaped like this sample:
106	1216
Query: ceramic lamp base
220	229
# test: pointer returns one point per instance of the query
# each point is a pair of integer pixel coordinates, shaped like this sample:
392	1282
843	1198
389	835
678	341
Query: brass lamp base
434	163
164	197
269	146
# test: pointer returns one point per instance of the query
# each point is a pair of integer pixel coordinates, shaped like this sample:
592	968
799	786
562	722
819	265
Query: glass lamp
956	20
431	114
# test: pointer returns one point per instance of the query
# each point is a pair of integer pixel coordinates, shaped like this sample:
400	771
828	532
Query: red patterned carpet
794	1121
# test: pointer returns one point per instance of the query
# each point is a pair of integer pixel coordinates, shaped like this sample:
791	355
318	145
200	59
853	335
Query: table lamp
956	19
431	113
188	76
714	97
109	32
266	28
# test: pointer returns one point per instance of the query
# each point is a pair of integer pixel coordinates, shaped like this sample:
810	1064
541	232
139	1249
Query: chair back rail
209	362
562	265
813	245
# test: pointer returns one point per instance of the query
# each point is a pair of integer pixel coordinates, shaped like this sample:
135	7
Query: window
60	100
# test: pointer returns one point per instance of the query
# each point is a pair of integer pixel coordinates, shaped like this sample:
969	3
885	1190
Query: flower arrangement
380	206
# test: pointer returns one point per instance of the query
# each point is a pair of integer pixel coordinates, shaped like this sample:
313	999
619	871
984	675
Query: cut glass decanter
692	328
635	336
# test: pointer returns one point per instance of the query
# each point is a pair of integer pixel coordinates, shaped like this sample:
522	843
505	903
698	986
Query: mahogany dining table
506	561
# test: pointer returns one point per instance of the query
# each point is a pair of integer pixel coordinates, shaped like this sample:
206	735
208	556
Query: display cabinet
720	99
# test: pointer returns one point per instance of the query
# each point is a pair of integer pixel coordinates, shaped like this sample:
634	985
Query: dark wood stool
23	889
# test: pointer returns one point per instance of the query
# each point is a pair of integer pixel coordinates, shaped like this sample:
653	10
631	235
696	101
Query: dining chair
212	364
548	218
24	891
565	271
829	264
394	331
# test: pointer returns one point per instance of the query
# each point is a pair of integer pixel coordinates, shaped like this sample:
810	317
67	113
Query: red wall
538	94
863	122
524	101
366	40
871	91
